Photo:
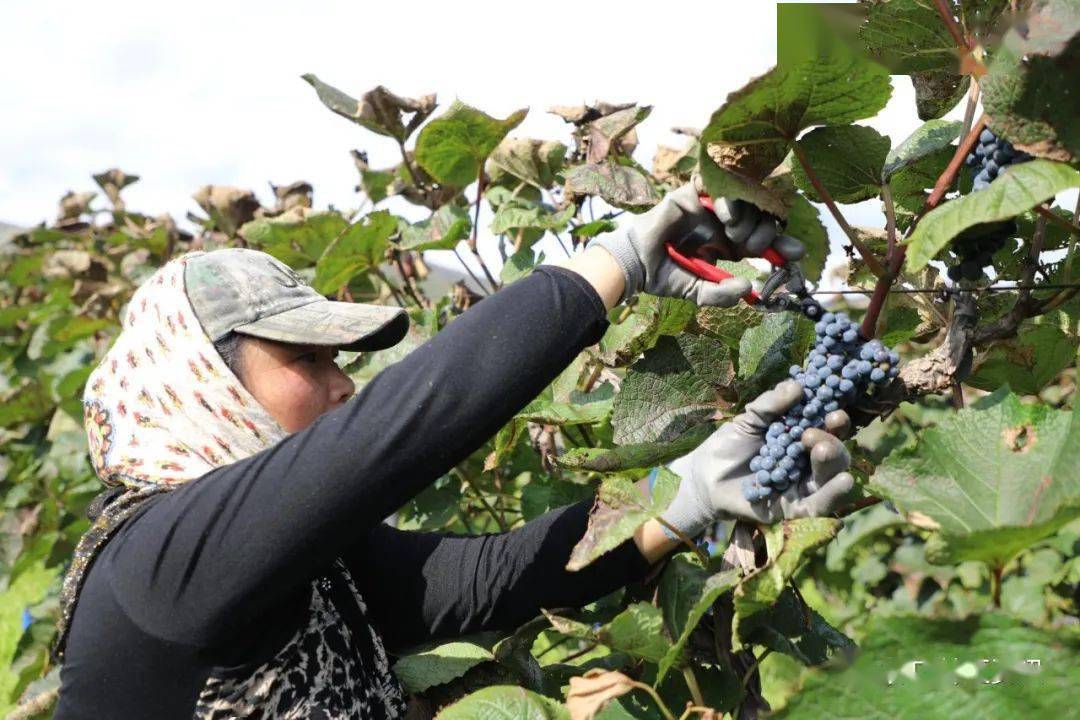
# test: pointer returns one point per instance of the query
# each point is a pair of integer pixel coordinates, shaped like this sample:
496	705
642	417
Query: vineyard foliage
955	597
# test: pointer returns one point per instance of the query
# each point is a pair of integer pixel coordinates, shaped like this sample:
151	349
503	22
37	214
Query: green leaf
295	238
750	135
1018	188
910	184
912	668
859	529
804	223
727	324
768	350
360	248
652	317
639	631
1030	91
446	227
621	510
511	217
929	138
635	455
1029	363
378	110
439	665
908	36
504	702
592	229
994	478
794	628
787	543
531	161
545	493
687	591
453	147
28	403
900	325
519	265
848	160
675	386
619	185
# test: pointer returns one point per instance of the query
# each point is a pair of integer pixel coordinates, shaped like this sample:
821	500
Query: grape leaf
439	665
619	185
992	478
687	591
908	36
1018	188
804	223
360	248
938	92
519	265
378	110
930	137
296	238
621	510
768	350
675	386
635	455
727	324
446	227
794	628
504	702
911	667
606	131
1029	363
454	146
512	216
848	160
749	136
1030	90
651	317
787	543
531	161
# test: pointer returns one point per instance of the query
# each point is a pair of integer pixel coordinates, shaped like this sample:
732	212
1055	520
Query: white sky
210	92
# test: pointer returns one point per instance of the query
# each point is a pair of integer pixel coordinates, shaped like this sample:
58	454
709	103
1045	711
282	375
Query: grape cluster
840	368
990	156
976	247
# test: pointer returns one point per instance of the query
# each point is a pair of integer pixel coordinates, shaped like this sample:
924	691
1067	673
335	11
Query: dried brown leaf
589	693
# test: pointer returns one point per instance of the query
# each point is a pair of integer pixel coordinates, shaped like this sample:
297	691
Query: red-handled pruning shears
783	273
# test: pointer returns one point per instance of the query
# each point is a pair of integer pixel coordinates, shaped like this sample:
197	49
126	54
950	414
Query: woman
239	567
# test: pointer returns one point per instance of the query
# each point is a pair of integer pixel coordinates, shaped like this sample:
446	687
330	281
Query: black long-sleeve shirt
216	573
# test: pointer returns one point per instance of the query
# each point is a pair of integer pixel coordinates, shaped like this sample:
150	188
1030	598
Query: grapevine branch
868	257
481	184
950	23
884	283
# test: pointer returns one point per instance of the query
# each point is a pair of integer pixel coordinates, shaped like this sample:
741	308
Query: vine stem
699	709
468	269
686	540
692	683
950	23
664	709
884	283
868	257
890	221
995	584
481	184
1058	220
501	522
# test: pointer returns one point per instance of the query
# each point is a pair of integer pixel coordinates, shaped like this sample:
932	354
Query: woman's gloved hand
738	226
712	475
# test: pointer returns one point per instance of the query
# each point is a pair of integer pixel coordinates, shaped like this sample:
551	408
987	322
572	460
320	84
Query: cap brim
350	326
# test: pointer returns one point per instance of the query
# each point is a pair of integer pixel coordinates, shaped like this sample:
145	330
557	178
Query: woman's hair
229	348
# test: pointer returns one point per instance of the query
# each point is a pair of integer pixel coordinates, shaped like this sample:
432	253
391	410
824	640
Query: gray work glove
742	227
712	475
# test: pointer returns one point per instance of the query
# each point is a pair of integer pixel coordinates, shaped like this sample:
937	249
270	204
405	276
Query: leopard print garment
332	669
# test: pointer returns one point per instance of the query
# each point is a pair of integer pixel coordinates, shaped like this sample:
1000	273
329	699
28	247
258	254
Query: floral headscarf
160	409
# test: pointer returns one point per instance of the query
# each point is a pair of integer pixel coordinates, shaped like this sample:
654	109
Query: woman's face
295	383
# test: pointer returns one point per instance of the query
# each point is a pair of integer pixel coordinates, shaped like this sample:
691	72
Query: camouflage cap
253	293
